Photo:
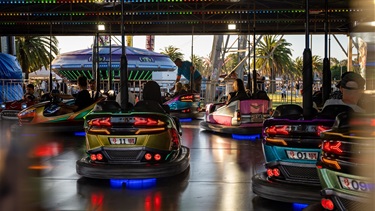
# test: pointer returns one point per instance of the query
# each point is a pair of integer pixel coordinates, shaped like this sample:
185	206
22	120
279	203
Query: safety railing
211	91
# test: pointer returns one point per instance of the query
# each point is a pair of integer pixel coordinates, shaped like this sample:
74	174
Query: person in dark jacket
82	99
152	100
239	92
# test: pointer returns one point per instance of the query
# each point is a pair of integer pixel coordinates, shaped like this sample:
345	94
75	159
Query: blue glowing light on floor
133	183
80	133
299	207
246	137
186	119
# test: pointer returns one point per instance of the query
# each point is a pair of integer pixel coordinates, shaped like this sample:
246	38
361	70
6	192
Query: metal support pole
124	65
307	72
326	65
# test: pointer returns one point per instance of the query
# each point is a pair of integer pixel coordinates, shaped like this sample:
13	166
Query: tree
298	67
198	63
172	52
206	66
231	61
33	52
274	57
333	61
317	66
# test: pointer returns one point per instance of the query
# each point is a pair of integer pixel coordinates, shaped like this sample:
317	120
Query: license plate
302	155
353	184
122	140
122	119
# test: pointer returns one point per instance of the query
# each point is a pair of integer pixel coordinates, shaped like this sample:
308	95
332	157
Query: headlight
23	106
2	106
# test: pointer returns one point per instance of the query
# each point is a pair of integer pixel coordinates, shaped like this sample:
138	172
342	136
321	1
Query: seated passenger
351	86
152	101
261	95
178	90
239	92
82	99
186	87
30	94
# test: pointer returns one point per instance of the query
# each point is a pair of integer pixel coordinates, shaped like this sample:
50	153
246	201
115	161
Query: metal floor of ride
39	173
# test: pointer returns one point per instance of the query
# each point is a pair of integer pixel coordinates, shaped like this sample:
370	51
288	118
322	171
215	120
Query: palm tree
274	57
206	66
34	52
317	65
172	52
198	63
333	61
231	61
298	67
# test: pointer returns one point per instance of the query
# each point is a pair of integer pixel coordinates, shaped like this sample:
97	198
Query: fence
212	91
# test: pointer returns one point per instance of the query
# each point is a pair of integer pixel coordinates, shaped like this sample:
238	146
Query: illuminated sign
101	59
146	59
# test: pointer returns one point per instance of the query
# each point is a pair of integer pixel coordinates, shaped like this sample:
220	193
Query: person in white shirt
351	85
131	98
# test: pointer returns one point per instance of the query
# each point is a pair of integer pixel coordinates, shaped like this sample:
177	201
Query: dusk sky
203	44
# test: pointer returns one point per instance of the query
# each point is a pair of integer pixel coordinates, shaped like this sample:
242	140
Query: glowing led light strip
332	162
277	141
148	130
143	13
348	137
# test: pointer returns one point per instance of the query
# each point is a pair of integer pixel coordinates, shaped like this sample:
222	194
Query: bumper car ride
126	145
185	106
44	117
238	117
291	146
346	166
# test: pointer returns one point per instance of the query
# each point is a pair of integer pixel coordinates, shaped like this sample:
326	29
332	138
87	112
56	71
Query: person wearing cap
187	69
351	86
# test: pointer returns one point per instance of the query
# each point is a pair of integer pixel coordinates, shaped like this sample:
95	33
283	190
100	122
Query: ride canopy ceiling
175	17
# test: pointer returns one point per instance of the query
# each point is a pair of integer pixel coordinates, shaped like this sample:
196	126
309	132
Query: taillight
269	172
327	204
273	172
187	98
157	157
321	128
93	157
186	110
97	156
148	156
276	172
144	121
175	139
238	115
100	122
277	130
332	147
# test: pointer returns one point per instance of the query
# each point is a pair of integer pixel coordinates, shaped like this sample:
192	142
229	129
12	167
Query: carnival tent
141	63
43	74
10	78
